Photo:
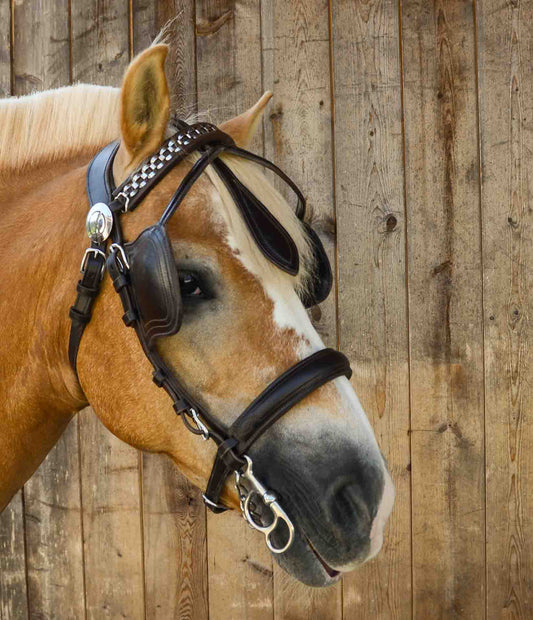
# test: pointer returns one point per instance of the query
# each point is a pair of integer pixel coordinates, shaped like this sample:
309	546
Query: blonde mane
58	124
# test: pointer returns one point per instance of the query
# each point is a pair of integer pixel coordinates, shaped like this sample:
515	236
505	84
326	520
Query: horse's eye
190	286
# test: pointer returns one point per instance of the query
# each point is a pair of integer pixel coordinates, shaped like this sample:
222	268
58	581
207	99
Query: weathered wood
111	523
100	41
445	308
505	106
228	58
13	588
372	287
175	543
110	472
41	45
149	18
54	533
5	48
228	50
174	520
298	132
41	60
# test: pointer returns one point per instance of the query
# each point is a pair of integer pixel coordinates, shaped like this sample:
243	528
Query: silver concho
99	222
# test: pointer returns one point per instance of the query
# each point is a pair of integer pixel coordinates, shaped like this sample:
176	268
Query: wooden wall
409	125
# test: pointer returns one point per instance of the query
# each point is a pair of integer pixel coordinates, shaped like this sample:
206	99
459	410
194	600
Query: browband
279	396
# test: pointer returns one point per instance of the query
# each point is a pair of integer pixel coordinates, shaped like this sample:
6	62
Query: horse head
242	324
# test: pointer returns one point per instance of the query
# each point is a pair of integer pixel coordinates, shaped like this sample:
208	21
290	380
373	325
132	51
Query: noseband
145	275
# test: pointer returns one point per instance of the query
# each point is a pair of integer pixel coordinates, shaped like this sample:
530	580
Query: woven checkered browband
174	150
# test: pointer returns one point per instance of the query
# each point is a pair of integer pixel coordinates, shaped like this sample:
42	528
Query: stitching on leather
155	328
235	187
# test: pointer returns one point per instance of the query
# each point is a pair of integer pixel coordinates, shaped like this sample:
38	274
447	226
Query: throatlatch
145	275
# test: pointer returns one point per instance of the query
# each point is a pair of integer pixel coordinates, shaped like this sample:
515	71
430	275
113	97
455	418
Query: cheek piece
145	275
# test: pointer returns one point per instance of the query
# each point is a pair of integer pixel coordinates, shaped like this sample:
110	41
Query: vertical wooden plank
445	301
13	589
41	60
110	473
372	286
100	41
175	543
228	48
41	45
506	111
53	533
174	514
296	67
111	523
149	18
5	48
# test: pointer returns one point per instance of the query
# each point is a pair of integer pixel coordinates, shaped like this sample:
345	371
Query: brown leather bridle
144	274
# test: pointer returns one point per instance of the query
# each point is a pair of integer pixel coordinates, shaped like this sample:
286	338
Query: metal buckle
85	258
268	498
120	256
126	201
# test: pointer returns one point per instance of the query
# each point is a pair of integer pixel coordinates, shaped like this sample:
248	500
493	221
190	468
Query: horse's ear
242	127
145	104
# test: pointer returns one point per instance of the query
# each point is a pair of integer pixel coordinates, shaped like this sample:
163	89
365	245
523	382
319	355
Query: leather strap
279	397
268	233
100	182
261	161
283	393
100	185
173	151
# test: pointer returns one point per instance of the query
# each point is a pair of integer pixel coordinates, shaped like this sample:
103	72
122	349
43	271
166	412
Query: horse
243	321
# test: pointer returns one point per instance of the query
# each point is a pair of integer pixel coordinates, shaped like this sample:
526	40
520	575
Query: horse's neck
41	244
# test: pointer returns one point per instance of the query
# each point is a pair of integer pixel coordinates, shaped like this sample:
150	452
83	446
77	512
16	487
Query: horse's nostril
348	504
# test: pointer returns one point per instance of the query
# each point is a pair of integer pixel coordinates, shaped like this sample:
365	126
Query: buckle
120	257
85	258
126	201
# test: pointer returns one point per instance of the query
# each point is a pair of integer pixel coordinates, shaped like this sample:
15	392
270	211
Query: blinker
145	275
99	222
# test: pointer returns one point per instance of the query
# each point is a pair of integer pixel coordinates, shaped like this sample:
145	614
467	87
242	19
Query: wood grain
54	533
177	17
174	521
114	579
100	41
41	45
5	48
13	587
506	110
110	470
468	285
372	285
298	131
228	49
445	309
175	543
54	557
